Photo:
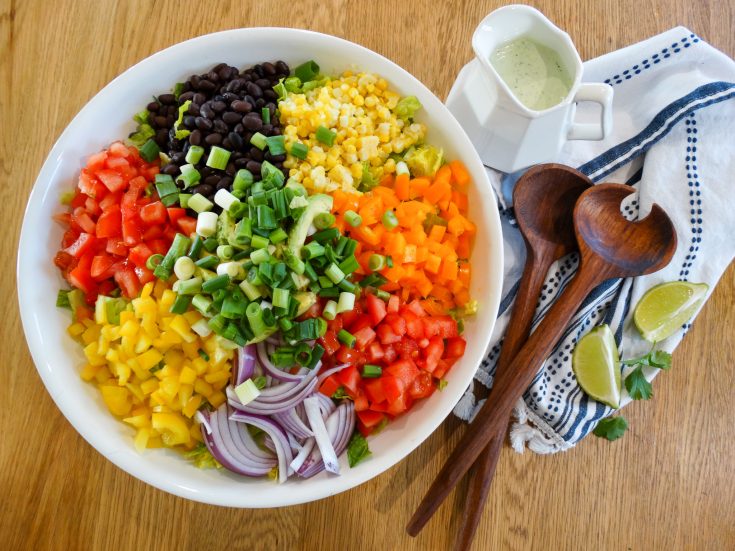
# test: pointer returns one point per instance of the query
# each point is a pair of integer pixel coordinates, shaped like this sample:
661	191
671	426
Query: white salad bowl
108	117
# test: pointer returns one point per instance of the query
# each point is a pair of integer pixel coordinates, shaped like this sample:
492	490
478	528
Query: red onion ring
291	421
340	426
322	437
272	405
277	434
244	366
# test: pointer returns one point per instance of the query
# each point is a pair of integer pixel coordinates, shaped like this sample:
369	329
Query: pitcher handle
598	93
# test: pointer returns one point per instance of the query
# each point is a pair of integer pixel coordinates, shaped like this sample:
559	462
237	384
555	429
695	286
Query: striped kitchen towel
672	140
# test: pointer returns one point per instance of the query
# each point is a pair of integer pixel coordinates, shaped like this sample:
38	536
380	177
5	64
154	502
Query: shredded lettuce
183	133
201	457
178	89
407	107
66	197
424	160
280	89
62	299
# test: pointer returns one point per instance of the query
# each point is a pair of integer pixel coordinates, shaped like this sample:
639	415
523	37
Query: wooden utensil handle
507	388
519	327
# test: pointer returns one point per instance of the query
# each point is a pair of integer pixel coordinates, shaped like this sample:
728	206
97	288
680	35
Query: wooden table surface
668	484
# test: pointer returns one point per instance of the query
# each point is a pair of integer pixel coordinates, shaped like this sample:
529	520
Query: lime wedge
666	307
596	365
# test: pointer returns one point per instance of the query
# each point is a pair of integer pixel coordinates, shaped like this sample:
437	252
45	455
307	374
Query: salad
269	269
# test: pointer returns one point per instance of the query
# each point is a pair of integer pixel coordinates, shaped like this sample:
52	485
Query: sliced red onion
314	415
245	365
291	421
274	404
268	443
340	426
326	404
271	369
295	444
331	371
204	420
303	455
277	434
229	448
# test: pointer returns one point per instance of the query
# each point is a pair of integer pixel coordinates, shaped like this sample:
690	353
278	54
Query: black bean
242	162
258	70
195	138
229	97
222	185
199	99
259	103
207	86
170	120
225	73
152	106
232	118
239	128
212	179
167	99
269	94
247	76
207	111
193	109
231	169
267	128
269	68
186	96
232	87
253	90
235	140
219	106
206	171
263	83
227	144
203	124
241	106
159	120
186	146
213	139
219	66
275	158
227	180
179	157
276	131
282	67
247	136
161	136
220	126
253	121
204	189
256	154
253	166
218	97
189	122
170	169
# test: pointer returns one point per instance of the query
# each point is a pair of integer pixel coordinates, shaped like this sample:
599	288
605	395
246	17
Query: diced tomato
112	179
387	335
390	354
364	337
153	213
63	260
109	223
81	217
440	326
313	312
83	243
361	402
374	390
455	347
401	405
111	200
407	348
416	308
144	275
370	419
174	213
415	328
92	207
433	353
397	323
80	277
393	304
404	370
97	161
375	352
375	307
422	386
154	232
349	377
187	225
101	266
139	254
158	246
329	386
130	231
128	282
393	388
348	356
116	247
335	325
330	343
119	150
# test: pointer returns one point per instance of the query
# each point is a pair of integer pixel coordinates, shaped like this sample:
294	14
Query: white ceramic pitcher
508	135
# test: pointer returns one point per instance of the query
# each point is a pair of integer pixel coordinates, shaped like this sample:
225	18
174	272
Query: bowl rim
34	339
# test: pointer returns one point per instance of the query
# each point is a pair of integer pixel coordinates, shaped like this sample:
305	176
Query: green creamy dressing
534	73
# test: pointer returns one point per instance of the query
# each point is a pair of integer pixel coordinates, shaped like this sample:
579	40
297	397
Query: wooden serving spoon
610	247
543	199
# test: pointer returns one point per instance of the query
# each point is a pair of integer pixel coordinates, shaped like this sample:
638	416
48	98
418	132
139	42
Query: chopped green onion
232	269
259	140
346	338
316	355
373	280
243	231
184	200
234	305
276	144
204	356
325	236
207	262
265	114
376	262
259	256
334	273
149	151
280	90
250	290
218	158
329	292
324	220
292	84
243	180
389	261
294	262
199	203
210	244
370	371
325	135
324	281
270	173
306	71
278	235
285	324
312	250
225	252
254	313
217	282
202	304
382	295
196	247
346	302
189	175
153	261
353	219
178	248
349	265
259	242
201	327
165	185
62	299
389	219
247	391
170	200
181	304
194	155
299	150
217	324
347	286
189	286
233	333
281	297
266	219
184	268
330	310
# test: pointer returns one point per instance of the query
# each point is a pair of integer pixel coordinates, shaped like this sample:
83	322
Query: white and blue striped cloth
673	139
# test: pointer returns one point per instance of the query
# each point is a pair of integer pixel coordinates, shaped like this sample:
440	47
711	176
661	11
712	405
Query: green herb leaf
660	359
357	449
611	428
340	394
157	367
637	385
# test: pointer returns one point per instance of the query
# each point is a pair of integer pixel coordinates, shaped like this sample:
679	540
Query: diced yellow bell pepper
142	439
117	399
188	375
174	430
149	359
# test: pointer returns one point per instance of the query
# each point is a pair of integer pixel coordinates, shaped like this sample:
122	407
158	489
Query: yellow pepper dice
173	428
117	399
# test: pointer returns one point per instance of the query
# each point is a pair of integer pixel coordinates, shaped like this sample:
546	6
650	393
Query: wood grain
666	485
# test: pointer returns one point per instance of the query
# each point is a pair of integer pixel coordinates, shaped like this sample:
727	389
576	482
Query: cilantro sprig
611	428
